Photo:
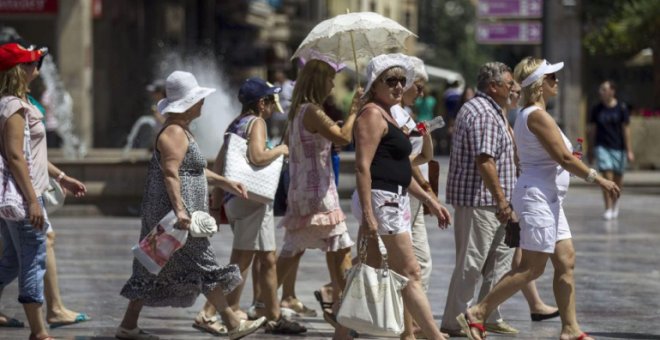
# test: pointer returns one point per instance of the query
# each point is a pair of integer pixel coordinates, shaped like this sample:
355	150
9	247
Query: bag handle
362	253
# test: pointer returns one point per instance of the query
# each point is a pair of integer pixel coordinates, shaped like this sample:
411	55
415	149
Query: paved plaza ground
617	275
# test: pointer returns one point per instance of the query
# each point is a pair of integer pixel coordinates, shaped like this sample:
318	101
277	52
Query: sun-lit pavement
617	274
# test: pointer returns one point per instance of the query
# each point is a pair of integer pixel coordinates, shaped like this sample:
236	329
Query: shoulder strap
249	127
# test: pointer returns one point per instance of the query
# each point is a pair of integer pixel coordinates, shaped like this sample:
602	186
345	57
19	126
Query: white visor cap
543	69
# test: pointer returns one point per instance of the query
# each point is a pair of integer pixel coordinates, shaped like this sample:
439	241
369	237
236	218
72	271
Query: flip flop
81	317
12	323
467	326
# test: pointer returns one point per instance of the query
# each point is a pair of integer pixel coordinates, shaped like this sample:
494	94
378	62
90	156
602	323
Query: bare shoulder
540	116
371	113
173	137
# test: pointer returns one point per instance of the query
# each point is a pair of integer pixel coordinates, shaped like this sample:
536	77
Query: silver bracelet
592	176
60	176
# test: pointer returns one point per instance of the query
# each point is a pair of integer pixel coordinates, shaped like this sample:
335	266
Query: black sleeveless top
390	167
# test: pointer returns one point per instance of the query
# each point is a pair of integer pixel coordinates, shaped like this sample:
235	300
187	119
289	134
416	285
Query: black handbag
512	234
282	193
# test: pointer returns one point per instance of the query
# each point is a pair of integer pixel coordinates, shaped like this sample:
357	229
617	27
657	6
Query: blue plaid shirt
480	128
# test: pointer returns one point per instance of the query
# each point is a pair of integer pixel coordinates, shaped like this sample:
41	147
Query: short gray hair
489	72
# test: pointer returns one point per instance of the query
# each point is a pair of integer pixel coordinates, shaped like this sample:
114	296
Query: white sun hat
420	70
543	69
383	62
182	93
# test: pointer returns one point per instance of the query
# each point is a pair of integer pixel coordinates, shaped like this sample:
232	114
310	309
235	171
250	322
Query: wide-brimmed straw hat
543	69
383	62
182	93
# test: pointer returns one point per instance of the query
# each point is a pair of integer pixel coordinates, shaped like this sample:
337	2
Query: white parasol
353	36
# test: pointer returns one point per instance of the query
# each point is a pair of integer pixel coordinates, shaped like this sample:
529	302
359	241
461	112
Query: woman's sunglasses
551	76
393	81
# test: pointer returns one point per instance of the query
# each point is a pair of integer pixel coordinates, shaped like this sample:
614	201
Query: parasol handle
357	71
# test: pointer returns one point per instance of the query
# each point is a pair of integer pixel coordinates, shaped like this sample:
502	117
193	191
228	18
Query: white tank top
538	168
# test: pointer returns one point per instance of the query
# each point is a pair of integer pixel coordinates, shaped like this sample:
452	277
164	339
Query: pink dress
313	218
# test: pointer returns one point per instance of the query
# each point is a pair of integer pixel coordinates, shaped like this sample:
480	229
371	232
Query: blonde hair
524	69
311	85
13	82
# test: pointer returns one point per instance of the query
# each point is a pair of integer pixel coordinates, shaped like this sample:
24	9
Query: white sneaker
615	211
608	215
134	334
246	328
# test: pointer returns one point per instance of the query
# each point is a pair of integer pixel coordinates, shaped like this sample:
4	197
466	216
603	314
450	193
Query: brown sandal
210	325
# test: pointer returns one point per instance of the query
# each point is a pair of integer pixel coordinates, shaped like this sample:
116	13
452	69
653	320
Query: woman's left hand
72	185
437	209
235	188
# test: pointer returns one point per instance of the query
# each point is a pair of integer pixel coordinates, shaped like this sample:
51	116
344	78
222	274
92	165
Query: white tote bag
372	302
260	181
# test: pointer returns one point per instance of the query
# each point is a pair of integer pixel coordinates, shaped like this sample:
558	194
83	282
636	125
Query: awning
442	73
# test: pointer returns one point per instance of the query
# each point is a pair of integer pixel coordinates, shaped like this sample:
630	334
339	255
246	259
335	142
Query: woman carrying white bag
177	180
252	222
383	181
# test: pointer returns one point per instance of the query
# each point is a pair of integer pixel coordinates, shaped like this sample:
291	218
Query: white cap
420	70
383	62
543	69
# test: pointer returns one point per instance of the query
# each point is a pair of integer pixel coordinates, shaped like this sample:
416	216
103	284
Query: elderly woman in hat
177	180
546	161
384	179
24	251
252	222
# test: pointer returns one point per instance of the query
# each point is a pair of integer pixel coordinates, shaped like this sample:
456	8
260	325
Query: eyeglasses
551	76
393	81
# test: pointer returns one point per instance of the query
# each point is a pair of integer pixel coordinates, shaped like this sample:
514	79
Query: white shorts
392	211
542	219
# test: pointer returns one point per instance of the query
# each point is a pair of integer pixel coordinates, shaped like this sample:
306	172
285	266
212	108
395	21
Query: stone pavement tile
617	276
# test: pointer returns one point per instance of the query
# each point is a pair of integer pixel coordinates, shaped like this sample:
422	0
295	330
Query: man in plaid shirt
482	174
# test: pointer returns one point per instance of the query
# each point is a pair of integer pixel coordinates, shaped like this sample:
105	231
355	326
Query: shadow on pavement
635	336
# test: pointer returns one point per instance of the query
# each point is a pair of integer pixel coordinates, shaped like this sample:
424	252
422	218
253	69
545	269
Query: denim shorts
611	160
23	257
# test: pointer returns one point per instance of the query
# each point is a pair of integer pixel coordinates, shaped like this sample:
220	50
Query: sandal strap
480	326
582	336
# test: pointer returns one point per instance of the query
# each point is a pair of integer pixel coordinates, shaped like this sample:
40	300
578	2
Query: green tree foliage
624	27
621	26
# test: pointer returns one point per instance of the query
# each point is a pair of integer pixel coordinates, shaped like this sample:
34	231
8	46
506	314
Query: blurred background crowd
110	56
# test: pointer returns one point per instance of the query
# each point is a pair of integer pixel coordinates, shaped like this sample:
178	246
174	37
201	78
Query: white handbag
13	205
260	181
372	302
54	196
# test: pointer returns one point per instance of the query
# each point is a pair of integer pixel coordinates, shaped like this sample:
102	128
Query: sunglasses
420	88
394	81
551	76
